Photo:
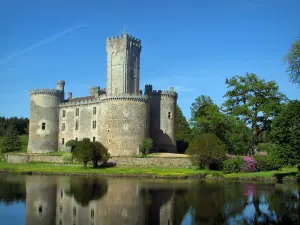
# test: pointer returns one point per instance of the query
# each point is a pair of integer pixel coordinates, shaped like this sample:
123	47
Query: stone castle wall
43	125
163	120
123	125
121	161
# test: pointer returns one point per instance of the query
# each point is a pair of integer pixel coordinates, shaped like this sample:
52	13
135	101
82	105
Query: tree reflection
12	191
87	189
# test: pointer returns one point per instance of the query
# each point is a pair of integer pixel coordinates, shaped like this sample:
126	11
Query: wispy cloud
43	42
180	88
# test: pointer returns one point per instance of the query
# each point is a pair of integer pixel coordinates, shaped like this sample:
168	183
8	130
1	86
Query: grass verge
50	168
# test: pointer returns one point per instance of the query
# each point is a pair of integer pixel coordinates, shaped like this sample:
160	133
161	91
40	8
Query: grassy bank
48	168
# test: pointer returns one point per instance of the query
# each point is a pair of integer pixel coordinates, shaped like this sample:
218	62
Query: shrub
207	151
266	147
99	154
146	146
11	141
67	157
265	163
249	165
232	165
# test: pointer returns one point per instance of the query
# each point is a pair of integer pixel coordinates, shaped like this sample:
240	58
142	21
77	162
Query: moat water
62	200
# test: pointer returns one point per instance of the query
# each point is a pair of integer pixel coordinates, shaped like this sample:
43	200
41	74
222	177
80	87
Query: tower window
77	111
74	211
76	125
40	209
63	126
94	124
94	110
62	141
92	213
64	113
169	115
146	122
43	126
94	139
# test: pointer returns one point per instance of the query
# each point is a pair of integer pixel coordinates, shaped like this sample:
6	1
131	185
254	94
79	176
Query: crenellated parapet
101	98
50	92
123	41
170	94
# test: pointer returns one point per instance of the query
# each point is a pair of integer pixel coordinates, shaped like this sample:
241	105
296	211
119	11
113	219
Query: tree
86	151
99	154
11	141
255	101
207	151
286	135
183	131
209	118
146	146
292	59
72	144
85	189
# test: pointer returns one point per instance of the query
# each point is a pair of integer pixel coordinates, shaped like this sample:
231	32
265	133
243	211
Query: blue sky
192	45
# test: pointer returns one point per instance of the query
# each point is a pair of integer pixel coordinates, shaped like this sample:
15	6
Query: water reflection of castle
49	201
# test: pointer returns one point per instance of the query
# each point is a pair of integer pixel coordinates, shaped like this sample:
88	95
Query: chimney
69	95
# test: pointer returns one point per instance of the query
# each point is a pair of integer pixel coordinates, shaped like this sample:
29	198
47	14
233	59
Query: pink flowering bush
249	165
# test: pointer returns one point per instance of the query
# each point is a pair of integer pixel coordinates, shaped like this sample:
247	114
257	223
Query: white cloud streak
44	42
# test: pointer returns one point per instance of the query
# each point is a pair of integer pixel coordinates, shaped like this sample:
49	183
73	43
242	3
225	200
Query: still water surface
59	200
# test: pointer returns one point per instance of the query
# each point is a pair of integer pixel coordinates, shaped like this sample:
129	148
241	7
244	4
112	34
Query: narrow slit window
63	126
92	213
43	126
146	122
74	211
94	139
62	141
40	209
169	115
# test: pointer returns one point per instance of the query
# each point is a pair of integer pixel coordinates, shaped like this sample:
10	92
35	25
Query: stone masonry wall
43	126
85	123
121	161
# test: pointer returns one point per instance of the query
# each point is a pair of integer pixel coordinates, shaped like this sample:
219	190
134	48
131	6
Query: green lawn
155	171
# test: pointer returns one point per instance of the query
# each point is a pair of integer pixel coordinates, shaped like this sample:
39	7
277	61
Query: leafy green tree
146	146
85	189
207	151
292	60
72	144
183	131
286	134
11	141
207	117
83	151
255	101
99	154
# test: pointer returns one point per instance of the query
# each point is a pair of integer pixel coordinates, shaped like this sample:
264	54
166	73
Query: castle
120	116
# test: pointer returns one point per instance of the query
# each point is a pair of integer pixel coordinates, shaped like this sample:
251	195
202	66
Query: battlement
123	40
171	93
101	98
51	92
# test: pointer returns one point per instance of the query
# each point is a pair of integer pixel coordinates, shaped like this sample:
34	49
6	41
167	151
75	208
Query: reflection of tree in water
87	189
285	203
12	191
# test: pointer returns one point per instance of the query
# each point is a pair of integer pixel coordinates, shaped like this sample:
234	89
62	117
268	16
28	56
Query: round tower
43	125
163	120
124	123
60	86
